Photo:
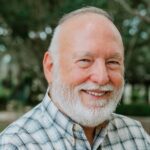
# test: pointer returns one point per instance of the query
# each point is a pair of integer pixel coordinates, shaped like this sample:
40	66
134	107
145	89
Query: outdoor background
26	28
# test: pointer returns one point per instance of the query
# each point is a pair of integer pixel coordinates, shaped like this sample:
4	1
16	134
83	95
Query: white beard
68	100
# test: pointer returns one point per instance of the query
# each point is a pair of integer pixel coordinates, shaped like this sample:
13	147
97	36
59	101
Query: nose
99	74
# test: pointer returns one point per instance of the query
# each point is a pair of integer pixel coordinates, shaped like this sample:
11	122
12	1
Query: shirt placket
81	141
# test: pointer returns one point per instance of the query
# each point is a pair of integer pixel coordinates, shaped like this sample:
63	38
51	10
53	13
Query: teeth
95	94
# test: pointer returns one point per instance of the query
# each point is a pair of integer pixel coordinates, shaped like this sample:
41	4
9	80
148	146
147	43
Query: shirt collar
62	122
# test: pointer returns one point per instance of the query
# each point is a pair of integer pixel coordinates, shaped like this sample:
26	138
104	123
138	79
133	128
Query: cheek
74	76
116	78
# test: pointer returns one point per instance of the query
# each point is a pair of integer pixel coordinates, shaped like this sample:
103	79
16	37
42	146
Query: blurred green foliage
134	109
26	29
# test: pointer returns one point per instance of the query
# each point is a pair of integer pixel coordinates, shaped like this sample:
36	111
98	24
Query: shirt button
77	127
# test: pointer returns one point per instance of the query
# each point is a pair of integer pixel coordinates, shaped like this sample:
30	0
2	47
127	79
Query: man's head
85	66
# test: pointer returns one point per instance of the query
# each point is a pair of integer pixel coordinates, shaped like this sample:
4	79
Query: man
84	67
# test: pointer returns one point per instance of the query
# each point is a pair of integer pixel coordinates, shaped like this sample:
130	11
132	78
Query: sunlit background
26	28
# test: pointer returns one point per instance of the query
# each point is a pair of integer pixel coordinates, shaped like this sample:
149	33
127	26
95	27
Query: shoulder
124	121
128	129
20	130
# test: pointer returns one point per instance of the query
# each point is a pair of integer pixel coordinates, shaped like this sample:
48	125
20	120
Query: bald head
91	25
88	18
84	10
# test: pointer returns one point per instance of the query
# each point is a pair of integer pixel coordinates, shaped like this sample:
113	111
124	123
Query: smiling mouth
97	93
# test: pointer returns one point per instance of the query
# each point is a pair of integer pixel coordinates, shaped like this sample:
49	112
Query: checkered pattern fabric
46	128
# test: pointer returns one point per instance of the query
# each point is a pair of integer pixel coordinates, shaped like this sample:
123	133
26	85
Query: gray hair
84	10
90	9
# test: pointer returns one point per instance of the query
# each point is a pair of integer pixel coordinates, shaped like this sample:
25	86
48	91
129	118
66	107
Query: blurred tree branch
124	4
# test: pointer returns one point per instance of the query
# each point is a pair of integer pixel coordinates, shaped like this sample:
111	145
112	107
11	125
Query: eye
113	64
84	62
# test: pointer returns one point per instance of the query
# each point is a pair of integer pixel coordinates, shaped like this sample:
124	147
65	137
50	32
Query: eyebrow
83	54
117	56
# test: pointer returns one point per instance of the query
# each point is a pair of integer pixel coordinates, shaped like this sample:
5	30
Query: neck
89	132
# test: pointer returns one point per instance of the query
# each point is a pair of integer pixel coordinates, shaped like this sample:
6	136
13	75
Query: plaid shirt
46	128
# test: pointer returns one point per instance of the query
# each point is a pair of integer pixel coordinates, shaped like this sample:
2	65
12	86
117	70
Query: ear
47	66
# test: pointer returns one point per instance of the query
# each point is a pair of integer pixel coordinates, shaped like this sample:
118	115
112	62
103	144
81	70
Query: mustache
94	86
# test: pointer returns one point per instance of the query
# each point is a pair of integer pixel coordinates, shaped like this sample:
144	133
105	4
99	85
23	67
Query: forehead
88	31
89	21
